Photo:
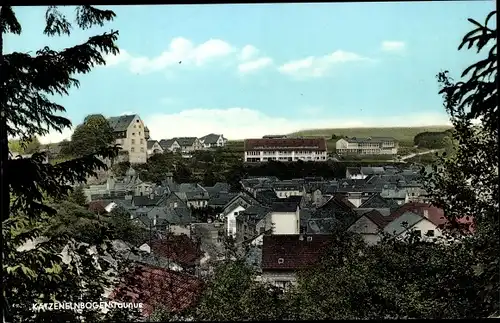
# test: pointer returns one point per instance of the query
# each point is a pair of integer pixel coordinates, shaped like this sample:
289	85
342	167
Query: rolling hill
402	134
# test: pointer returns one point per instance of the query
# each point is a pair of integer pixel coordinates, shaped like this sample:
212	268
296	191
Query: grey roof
286	186
146	200
121	123
283	207
189	187
151	143
217	188
370	139
393	193
166	143
220	199
210	139
372	170
354	170
185	141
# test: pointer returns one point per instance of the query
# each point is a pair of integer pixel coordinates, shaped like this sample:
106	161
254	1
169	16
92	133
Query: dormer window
309	238
281	260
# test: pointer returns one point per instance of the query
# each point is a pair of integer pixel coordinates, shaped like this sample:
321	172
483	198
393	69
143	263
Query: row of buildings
281	148
134	138
283	224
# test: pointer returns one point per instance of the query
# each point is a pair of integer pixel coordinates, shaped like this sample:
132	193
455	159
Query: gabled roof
377	218
185	141
166	143
153	286
289	252
378	202
210	139
151	143
121	123
280	207
145	200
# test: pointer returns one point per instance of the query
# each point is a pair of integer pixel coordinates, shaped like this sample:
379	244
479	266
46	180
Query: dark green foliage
93	134
119	169
124	229
158	166
77	196
467	184
432	140
39	274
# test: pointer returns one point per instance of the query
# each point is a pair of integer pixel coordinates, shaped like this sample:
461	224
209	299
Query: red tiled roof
434	214
178	248
309	144
296	253
153	286
97	207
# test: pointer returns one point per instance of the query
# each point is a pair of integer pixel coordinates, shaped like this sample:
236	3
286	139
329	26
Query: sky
248	70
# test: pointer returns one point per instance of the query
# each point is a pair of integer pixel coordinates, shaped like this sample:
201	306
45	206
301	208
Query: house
283	218
247	220
285	149
367	146
354	173
154	147
284	255
129	133
285	189
155	286
188	144
398	195
427	224
169	145
369	226
213	141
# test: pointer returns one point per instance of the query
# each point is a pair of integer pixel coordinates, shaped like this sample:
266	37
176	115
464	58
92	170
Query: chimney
426	214
152	195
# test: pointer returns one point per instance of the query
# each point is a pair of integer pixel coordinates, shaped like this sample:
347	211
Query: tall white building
131	134
285	149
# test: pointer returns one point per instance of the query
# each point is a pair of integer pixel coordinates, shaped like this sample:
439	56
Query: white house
213	140
284	218
154	147
285	189
231	219
424	224
285	149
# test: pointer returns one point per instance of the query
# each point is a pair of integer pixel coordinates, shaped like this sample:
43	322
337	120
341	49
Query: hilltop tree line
394	279
434	139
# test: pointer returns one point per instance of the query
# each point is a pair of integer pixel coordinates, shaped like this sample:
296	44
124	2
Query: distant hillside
399	133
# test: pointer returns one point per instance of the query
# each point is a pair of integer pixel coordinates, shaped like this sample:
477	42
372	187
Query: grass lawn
402	134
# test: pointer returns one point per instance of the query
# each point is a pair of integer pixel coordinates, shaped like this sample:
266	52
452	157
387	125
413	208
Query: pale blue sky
250	70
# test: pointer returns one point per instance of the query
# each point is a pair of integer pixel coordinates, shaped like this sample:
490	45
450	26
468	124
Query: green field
402	134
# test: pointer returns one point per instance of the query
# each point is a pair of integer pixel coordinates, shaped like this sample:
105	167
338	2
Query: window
430	233
281	260
133	141
132	149
142	149
142	141
418	232
137	120
139	133
133	133
309	238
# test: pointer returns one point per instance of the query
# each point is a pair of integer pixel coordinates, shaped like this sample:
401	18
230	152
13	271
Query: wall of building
231	220
285	222
263	156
